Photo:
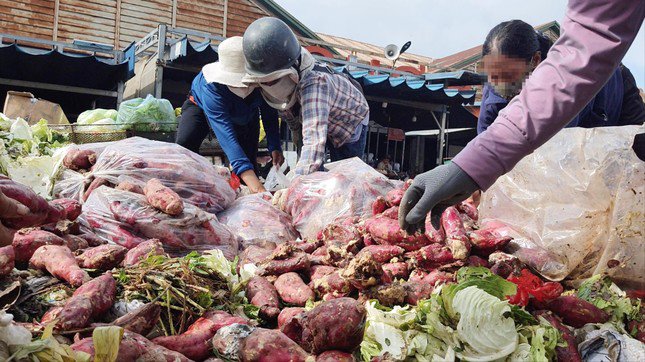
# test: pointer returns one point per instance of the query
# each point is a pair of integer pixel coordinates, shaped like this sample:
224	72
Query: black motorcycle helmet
269	45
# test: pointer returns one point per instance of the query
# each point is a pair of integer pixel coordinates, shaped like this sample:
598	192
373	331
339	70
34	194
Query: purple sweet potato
26	241
95	184
319	271
284	259
50	315
163	198
335	356
417	291
92	239
570	352
270	345
263	295
331	286
391	213
394	197
307	246
434	235
62	227
195	342
382	253
104	257
386	231
254	254
59	261
130	187
141	320
487	241
74	242
89	301
292	289
432	256
475	260
417	275
456	238
287	314
576	312
393	271
142	251
55	213
37	205
339	232
379	205
388	295
77	159
338	324
72	208
7	260
469	208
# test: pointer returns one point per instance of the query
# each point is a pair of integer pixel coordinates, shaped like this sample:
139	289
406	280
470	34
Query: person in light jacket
596	36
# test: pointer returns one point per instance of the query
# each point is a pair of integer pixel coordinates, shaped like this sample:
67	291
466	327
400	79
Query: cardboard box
31	109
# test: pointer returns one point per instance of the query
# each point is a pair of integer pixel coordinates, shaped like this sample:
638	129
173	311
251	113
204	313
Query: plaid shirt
331	108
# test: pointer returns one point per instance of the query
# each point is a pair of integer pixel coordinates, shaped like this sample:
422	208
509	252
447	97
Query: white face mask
280	95
242	92
509	90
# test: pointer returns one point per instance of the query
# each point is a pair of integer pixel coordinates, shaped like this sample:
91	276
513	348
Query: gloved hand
434	190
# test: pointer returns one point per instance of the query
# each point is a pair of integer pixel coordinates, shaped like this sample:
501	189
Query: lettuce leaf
603	293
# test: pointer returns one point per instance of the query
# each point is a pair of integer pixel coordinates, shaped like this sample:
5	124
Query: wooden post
225	18
117	26
174	13
55	29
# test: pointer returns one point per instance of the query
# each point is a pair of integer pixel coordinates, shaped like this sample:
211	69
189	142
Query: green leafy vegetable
601	292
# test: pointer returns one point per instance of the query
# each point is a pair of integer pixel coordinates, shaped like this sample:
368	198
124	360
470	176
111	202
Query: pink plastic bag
125	218
256	221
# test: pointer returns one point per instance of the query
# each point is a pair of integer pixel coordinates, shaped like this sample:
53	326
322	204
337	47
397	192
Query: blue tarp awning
189	54
63	68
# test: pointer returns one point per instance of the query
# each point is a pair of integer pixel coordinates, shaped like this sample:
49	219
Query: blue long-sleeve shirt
603	110
224	110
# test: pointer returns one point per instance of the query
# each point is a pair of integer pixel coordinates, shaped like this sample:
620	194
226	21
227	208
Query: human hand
278	158
434	190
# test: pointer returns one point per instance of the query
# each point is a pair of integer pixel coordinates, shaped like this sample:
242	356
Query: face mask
242	92
280	95
509	90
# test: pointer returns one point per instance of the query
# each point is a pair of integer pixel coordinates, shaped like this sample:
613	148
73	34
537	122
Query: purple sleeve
596	36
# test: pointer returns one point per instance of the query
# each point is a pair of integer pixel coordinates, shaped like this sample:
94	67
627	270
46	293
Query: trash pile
144	254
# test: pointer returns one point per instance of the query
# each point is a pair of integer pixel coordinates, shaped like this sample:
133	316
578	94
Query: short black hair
516	39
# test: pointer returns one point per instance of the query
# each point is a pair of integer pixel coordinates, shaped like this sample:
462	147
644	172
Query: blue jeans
349	150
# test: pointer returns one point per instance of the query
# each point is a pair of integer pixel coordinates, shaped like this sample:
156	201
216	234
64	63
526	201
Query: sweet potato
434	235
95	184
287	314
265	345
72	208
55	213
318	271
141	320
142	251
438	277
195	342
37	205
388	295
62	228
331	286
50	315
254	254
26	241
391	213
394	197
307	246
417	291
468	207
163	198
570	352
475	260
92	239
456	238
430	257
284	259
104	257
263	295
334	325
487	241
130	187
362	272
386	231
135	347
227	341
292	289
417	275
74	242
89	301
379	205
7	260
335	356
77	159
576	312
393	271
382	253
59	261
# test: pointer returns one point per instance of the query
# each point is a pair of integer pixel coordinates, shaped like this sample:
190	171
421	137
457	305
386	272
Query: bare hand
278	158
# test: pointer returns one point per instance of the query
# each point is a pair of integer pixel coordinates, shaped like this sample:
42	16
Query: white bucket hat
229	69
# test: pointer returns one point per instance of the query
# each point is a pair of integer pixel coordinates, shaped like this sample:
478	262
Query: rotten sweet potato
163	198
89	301
338	324
104	257
26	241
434	235
130	187
226	342
382	253
142	251
417	291
379	205
287	314
331	286
387	295
386	231
487	241
292	289
393	271
263	295
391	213
59	261
469	208
195	342
72	208
264	345
475	260
430	257
394	197
570	352
77	159
92	239
74	242
335	356
284	259
456	238
318	271
7	260
362	272
576	312
141	320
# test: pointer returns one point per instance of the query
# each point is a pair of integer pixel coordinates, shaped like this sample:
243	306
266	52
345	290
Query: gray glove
434	190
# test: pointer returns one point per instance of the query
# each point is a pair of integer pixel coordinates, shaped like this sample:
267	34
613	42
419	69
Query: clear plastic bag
256	221
276	179
195	179
147	115
346	191
126	218
576	206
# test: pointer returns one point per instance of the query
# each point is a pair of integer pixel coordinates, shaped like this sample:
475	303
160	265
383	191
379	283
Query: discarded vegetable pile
96	280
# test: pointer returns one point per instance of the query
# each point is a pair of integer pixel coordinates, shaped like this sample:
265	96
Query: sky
437	28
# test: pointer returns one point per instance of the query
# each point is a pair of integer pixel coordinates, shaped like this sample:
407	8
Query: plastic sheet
137	159
576	206
126	218
346	191
149	114
276	179
256	221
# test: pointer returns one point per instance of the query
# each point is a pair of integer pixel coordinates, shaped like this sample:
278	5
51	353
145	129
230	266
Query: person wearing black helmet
326	104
